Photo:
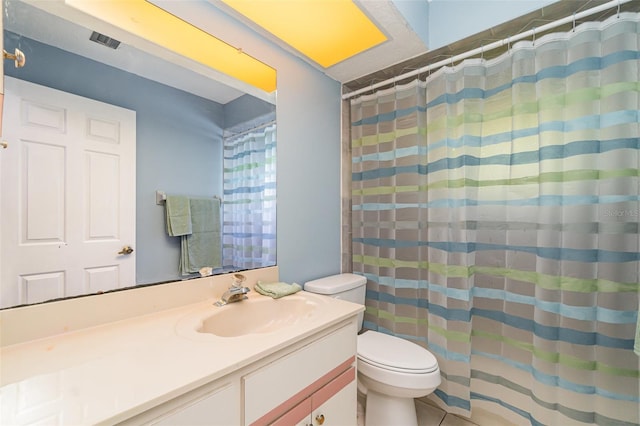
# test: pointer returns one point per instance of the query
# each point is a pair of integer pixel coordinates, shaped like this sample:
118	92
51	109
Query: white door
67	202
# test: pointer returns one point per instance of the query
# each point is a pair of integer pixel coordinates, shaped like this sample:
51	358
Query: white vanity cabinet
339	407
152	366
333	405
298	384
312	382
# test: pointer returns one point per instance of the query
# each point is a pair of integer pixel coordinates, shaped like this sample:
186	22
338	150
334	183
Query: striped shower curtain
495	215
249	207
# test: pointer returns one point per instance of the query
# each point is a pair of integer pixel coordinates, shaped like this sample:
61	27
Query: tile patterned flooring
428	415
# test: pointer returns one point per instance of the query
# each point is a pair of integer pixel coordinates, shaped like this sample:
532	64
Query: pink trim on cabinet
296	399
295	415
335	386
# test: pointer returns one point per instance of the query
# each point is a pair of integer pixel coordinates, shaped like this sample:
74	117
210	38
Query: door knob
126	250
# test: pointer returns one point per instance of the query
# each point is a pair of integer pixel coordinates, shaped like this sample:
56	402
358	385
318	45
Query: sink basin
258	315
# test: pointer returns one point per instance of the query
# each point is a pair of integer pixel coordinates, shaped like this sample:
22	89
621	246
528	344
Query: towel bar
161	197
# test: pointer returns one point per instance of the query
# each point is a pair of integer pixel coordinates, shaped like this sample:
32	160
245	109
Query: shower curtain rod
244	132
491	46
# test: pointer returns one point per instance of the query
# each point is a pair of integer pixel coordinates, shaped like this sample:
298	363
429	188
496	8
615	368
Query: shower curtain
495	215
249	208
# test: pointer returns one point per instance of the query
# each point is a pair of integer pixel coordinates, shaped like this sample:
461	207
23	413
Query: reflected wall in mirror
197	133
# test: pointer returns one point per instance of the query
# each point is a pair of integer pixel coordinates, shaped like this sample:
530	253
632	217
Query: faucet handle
238	279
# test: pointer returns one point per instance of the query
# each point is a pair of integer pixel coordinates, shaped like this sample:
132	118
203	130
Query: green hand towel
203	248
178	213
277	290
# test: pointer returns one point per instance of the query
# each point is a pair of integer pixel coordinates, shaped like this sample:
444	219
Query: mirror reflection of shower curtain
249	204
495	216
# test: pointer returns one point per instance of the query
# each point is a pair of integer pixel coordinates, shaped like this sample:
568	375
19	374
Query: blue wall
237	111
416	12
441	22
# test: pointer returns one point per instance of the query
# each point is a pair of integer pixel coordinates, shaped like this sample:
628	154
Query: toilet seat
395	354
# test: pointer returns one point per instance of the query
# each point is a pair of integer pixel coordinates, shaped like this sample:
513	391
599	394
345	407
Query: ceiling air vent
104	40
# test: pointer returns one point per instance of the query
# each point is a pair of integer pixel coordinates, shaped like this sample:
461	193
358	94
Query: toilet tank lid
335	283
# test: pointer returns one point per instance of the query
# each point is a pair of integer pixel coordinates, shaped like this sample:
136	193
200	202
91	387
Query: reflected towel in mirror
178	214
202	248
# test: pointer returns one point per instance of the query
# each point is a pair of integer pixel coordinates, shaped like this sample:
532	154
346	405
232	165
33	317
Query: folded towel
178	213
204	246
277	290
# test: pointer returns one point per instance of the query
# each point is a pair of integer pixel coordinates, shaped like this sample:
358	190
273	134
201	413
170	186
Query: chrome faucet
236	293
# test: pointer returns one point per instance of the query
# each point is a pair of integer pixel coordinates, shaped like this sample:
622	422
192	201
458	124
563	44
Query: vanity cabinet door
332	405
335	404
274	389
300	415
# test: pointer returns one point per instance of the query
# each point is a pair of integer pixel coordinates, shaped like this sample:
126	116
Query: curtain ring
482	52
428	74
618	9
574	22
533	42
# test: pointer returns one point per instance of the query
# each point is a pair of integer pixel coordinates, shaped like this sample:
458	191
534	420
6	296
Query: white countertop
110	372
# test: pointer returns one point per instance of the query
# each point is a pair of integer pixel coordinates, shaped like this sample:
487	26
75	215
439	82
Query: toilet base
385	410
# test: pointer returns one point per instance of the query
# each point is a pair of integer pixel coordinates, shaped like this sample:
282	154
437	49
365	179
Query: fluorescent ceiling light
152	23
326	31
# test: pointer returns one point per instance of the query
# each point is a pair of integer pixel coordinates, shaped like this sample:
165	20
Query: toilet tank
350	287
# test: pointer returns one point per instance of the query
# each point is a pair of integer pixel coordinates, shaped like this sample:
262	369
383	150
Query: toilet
391	371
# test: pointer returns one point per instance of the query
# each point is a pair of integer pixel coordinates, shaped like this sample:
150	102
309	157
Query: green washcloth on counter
276	290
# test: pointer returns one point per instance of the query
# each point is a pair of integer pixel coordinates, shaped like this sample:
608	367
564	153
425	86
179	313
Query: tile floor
428	415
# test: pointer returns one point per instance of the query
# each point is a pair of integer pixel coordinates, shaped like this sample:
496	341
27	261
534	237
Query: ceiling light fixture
154	24
326	31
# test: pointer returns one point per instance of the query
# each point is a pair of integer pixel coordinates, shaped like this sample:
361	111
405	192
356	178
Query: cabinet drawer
287	381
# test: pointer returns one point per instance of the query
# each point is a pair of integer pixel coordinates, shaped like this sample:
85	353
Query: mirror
188	119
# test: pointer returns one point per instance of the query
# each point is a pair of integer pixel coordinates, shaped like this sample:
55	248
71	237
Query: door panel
68	203
42	195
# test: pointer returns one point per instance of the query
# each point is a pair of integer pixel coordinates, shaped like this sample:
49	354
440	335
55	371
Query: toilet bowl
391	371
